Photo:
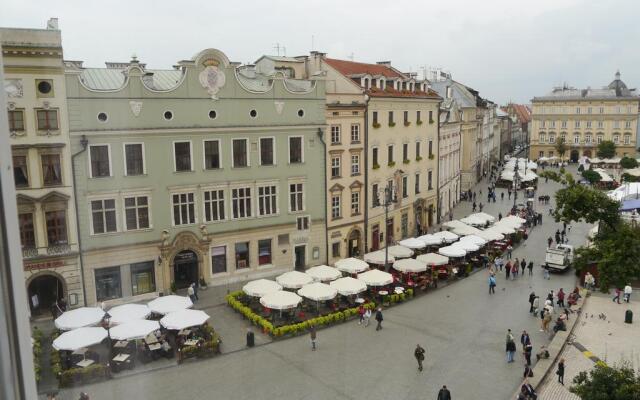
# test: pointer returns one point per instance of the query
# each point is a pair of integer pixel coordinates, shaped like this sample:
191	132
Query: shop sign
43	265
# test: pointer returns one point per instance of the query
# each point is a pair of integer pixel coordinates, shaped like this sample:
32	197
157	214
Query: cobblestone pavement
461	326
610	340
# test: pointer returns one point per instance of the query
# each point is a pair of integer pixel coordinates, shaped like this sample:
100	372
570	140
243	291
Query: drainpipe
366	174
438	202
326	199
84	143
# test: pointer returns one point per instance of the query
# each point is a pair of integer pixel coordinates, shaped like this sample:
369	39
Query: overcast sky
506	49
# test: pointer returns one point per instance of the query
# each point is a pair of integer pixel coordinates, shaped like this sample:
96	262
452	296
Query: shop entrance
375	238
185	266
301	257
574	156
354	243
44	291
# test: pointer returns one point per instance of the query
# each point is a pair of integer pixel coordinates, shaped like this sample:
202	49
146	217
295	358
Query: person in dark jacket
418	353
560	371
379	318
523	265
444	393
528	391
530	268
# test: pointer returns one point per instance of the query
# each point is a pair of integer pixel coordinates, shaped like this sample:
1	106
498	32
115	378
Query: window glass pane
295	150
211	154
56	227
51	171
27	231
143	278
99	161
264	252
218	259
240	153
134	159
108	284
183	156
20	173
242	255
266	151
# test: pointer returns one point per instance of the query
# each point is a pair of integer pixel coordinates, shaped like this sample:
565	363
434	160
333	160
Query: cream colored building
584	118
37	108
449	157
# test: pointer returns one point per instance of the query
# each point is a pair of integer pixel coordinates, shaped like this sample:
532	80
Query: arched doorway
44	290
587	153
185	268
353	243
574	156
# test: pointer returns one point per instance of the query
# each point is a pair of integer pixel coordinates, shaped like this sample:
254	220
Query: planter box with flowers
407	161
392	124
391	164
419	122
407	123
418	158
376	125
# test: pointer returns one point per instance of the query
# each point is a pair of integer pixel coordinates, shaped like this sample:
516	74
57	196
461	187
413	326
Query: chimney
52	24
385	63
449	92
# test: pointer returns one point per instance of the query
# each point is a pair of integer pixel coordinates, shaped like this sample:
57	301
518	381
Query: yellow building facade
584	118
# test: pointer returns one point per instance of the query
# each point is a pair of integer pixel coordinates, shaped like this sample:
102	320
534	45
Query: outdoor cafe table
151	339
80	352
85	363
120	344
155	346
121	357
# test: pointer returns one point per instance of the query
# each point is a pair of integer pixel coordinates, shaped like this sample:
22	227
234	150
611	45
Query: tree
606	149
581	203
628	163
591	176
561	147
610	383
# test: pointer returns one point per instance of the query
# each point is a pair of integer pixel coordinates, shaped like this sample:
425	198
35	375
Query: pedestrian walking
527	371
536	305
507	269
492	284
530	268
509	191
361	312
547	274
191	293
523	266
547	320
379	318
444	393
560	296
550	297
511	351
195	290
528	348
589	281
499	216
560	371
474	206
532	297
418	353
617	296
474	197
313	335
524	339
627	292
549	241
509	250
367	317
514	271
480	207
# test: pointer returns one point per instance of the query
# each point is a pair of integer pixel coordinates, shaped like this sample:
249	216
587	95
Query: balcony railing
53	250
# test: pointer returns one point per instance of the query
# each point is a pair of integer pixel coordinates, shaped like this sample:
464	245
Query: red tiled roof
523	112
351	68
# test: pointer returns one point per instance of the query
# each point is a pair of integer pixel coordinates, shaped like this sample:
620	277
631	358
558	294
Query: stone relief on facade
212	78
13	88
279	106
136	107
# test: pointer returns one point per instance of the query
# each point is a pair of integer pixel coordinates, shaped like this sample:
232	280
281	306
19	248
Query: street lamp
516	176
389	199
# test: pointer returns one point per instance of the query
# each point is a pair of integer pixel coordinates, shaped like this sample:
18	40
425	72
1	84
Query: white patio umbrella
474	220
451	251
508	222
79	338
318	291
465	230
294	279
453	224
514	218
128	312
376	277
431	240
409	265
80	317
261	287
324	273
183	319
485	216
135	329
378	257
412	243
448	237
281	300
351	265
490	235
400	251
504	229
433	259
477	240
348	286
466	246
166	304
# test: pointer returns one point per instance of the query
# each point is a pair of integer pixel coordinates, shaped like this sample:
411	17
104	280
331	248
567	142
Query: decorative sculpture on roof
212	78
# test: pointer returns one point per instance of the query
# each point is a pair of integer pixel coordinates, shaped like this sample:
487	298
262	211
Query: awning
281	300
378	257
433	259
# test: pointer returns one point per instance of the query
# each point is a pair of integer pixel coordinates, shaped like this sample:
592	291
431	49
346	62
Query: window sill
356	214
336	143
240	166
212	169
267	215
336	218
356	142
356	174
336	177
265	266
105	234
102	177
268	165
48	186
150	229
136	175
296	163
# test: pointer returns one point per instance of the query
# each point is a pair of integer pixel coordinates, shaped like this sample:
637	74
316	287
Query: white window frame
600	124
616	124
627	124
335	166
226	259
577	124
204	155
338	130
300	217
576	139
247	148
355	167
304	200
251	202
195	205
357	126
357	204
277	201
338	207
89	158
542	137
273	139
173	149
301	148
127	195
124	158
224	203
405	186
599	139
616	139
627	139
90	199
